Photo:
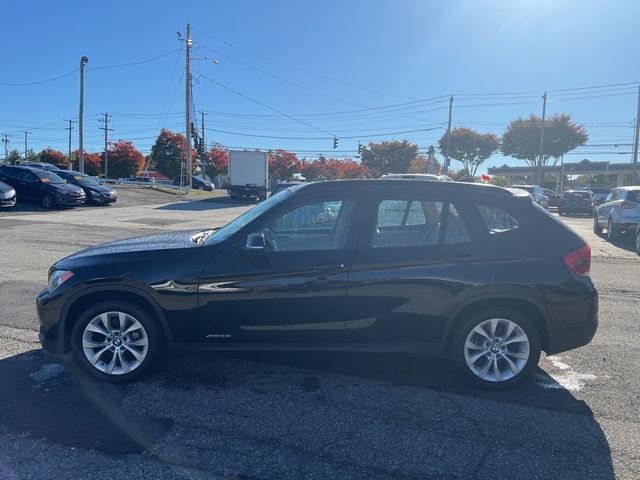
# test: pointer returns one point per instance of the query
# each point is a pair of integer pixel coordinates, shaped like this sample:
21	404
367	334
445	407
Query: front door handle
328	267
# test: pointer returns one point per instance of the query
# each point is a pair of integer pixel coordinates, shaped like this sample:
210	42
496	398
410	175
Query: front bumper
8	202
49	309
69	201
101	199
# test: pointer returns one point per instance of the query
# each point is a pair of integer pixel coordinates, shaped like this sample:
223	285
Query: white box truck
248	174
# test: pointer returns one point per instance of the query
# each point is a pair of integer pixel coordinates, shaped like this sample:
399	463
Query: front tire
497	348
115	342
48	201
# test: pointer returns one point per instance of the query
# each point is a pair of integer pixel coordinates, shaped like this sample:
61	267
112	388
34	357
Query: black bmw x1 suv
476	273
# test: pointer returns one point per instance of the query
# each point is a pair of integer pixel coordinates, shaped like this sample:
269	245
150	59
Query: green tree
468	147
14	157
521	140
124	160
389	157
167	153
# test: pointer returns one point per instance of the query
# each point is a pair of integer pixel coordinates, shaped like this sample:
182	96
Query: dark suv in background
476	273
41	186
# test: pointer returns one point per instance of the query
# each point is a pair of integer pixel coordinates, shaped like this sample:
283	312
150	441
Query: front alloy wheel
114	341
498	348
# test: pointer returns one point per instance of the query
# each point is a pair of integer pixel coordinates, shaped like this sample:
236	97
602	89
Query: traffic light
335	142
359	148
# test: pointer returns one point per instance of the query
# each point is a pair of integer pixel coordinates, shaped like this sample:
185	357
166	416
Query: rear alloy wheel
597	229
497	348
48	201
115	342
611	233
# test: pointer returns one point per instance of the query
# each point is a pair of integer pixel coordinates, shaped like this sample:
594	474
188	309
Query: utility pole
70	127
25	145
445	170
187	130
83	62
5	140
105	127
635	143
204	144
541	154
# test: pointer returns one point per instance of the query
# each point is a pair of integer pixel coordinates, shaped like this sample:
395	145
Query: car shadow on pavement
205	204
624	242
294	415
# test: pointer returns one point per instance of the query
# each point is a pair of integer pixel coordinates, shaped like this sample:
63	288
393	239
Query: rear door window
417	222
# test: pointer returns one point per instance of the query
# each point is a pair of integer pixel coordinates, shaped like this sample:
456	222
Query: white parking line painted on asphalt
558	363
567	378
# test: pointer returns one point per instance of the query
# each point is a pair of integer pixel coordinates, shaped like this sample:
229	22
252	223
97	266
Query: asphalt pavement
303	415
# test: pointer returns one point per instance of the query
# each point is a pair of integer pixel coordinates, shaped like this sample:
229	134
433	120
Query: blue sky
308	70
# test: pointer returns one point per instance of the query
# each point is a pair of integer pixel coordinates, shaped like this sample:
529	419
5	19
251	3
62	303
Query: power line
264	104
130	64
39	82
277	77
308	72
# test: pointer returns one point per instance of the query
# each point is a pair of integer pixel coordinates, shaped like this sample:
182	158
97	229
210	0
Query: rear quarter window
497	220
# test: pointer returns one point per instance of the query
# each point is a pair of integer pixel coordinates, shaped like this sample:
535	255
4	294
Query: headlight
58	277
8	194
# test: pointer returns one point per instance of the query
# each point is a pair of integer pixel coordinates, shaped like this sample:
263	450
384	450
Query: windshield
48	177
86	180
234	226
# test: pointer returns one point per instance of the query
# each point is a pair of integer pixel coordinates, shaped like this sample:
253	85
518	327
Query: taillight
579	261
628	205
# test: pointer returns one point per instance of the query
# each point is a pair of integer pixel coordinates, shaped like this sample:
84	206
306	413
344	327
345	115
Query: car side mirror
255	242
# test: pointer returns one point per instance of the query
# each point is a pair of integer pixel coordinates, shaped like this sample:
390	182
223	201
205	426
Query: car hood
145	243
4	188
67	187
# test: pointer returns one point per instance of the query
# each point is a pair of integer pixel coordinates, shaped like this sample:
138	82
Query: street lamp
83	62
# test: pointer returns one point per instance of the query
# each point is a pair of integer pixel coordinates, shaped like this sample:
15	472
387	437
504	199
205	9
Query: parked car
41	165
7	195
553	197
600	194
620	212
42	186
470	272
416	176
95	192
576	201
198	183
536	193
283	186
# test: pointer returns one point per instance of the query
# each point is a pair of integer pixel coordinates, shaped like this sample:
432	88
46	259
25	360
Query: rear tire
497	348
611	234
597	229
115	342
